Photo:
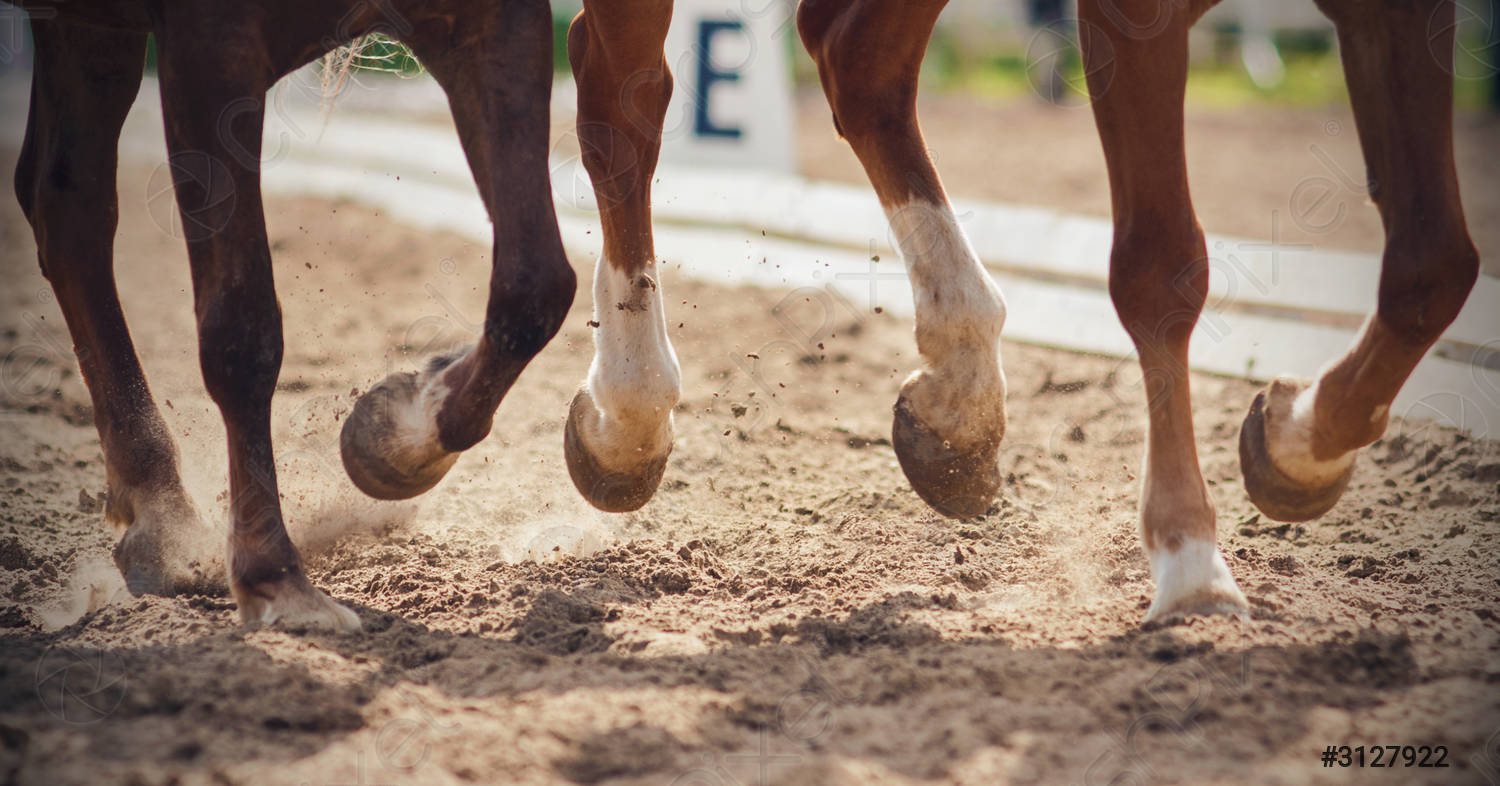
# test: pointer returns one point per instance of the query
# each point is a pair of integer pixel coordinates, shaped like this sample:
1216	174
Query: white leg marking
1193	580
413	444
1191	576
634	380
960	311
1289	435
416	423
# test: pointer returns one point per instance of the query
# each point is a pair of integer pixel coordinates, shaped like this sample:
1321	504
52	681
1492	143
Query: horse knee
526	311
623	96
240	347
25	180
1158	277
71	209
867	97
1425	278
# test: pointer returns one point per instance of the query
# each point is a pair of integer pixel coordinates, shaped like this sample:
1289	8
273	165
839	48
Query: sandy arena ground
785	611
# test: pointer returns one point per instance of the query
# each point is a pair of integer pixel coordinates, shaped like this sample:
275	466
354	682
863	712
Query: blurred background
1271	143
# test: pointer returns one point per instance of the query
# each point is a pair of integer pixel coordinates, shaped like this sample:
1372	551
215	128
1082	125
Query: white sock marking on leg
1289	437
416	423
960	312
1193	578
635	379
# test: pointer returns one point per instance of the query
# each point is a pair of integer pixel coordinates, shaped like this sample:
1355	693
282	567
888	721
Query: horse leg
1298	443
212	98
1158	281
619	430
950	416
406	432
84	82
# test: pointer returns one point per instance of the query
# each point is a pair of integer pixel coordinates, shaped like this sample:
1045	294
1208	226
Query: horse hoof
1278	496
1194	581
167	550
390	444
1206	605
957	483
291	601
611	491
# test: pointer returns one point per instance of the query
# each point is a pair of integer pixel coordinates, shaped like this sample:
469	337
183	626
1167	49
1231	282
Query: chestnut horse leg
619	429
84	82
212	96
950	416
1158	280
405	433
1298	444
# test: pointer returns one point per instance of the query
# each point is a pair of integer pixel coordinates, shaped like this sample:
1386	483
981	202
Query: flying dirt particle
88	503
593	324
879	310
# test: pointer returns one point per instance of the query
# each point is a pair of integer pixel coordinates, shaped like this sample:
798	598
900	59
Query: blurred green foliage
560	45
1314	75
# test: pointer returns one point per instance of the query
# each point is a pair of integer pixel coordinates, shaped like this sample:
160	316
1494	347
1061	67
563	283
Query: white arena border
1272	311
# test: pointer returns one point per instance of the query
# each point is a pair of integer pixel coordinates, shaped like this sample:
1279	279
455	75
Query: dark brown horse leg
950	416
211	94
405	433
619	429
1298	444
84	82
1158	281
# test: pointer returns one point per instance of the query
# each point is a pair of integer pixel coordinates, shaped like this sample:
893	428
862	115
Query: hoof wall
959	484
382	455
1276	495
293	602
167	550
609	490
148	569
1201	605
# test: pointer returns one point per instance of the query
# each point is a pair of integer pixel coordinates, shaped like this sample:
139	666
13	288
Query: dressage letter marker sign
732	102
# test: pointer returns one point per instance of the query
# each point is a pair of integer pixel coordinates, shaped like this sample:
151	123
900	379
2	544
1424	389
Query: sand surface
785	611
